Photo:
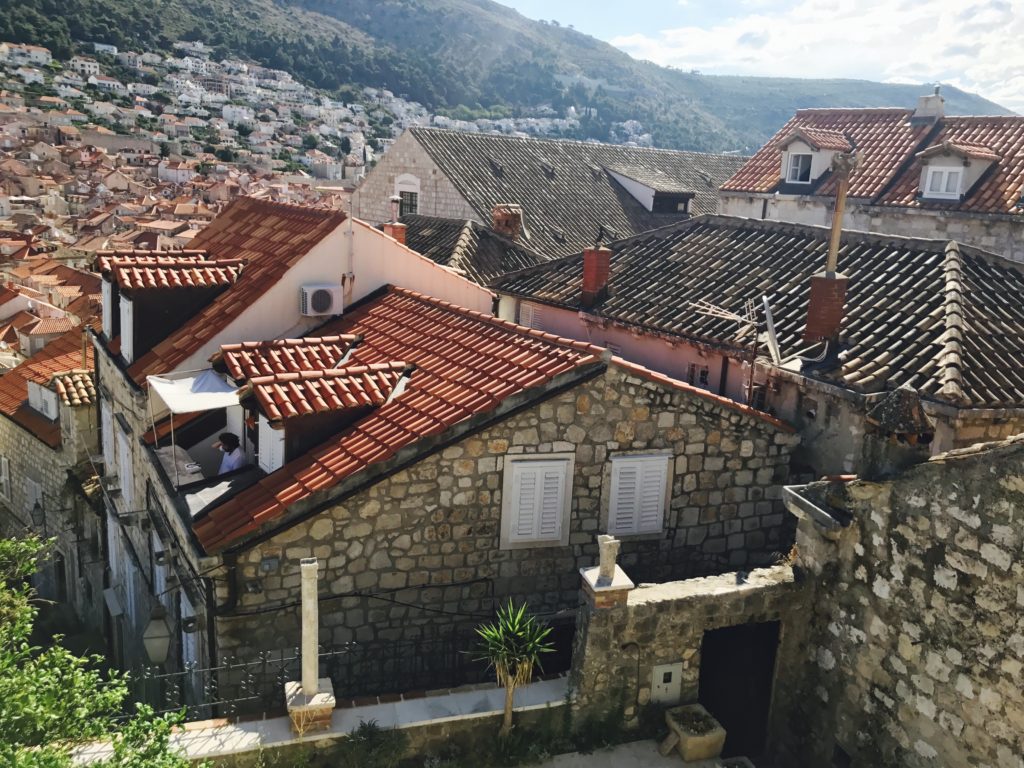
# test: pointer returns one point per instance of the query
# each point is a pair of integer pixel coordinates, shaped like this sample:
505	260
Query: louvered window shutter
637	503
5	477
538	500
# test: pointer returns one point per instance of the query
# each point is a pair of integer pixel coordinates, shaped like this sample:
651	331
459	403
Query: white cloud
972	44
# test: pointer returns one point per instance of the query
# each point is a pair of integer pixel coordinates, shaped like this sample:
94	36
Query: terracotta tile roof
176	274
883	139
999	140
976	151
60	355
270	238
252	359
75	387
287	395
563	187
820	138
473	249
946	319
466	363
106	258
45	326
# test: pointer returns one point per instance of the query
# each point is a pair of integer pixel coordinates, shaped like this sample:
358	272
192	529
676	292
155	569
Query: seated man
233	456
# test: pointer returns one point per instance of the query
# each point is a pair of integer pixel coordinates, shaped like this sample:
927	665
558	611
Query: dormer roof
254	359
819	138
962	148
304	393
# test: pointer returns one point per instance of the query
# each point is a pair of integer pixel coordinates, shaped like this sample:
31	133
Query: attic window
548	168
496	168
799	169
943	182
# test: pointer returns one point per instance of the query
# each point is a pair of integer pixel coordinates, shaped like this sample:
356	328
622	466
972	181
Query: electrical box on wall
667	683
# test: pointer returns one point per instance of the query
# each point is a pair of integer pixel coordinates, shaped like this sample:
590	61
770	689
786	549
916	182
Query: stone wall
665	624
997	234
71	574
915	648
428	536
437	197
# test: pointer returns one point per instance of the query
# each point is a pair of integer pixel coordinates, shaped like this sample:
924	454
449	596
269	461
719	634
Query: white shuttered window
639	492
536	501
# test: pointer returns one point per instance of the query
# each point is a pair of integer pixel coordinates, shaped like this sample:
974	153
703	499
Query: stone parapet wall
915	648
618	648
428	536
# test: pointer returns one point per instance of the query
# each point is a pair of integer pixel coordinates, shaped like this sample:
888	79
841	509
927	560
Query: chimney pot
396	231
507	220
596	271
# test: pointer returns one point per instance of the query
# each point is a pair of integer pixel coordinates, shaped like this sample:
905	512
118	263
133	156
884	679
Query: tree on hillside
52	700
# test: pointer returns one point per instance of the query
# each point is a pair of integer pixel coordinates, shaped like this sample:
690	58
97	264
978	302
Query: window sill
541	544
649	536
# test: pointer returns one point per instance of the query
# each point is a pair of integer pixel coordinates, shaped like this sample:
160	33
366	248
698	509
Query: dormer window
799	169
944	182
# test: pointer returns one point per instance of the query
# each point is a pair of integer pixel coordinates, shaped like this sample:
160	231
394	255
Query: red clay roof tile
454	351
251	359
270	238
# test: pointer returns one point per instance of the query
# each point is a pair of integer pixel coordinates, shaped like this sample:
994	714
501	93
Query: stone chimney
929	109
395	230
507	220
596	271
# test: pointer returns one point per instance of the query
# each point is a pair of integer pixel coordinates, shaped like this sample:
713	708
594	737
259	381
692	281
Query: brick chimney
395	230
596	270
929	109
828	289
507	220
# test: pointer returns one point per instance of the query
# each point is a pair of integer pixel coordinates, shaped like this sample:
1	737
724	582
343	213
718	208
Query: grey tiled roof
943	318
478	252
564	187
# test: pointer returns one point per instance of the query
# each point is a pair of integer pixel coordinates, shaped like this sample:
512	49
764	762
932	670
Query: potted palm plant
512	646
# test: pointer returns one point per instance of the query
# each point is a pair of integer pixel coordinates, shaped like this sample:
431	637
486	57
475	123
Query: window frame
796	156
409	202
568	464
943	172
616	464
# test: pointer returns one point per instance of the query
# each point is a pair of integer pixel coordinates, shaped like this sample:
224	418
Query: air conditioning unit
320	299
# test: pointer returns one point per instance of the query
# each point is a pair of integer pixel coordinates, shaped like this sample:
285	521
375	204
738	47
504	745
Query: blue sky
972	44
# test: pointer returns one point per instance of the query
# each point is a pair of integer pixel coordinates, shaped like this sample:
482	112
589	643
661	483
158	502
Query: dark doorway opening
737	668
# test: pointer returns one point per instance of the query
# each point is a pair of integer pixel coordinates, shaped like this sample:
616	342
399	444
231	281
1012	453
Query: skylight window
799	169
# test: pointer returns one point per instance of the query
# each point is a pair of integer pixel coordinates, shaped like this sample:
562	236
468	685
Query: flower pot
701	737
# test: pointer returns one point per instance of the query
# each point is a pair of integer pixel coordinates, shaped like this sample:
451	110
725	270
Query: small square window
639	493
698	375
536	498
799	169
943	183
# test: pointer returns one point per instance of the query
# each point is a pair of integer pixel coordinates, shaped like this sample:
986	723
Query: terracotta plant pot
701	737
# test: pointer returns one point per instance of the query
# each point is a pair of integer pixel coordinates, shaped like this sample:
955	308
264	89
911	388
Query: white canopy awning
193	391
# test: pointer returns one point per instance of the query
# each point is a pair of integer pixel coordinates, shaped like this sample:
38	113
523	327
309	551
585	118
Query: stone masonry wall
70	520
428	536
437	197
997	235
665	624
915	650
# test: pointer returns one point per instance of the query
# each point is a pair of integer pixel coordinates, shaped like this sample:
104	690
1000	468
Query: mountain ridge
466	58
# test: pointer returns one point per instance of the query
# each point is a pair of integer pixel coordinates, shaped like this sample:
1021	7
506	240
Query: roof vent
496	168
548	168
320	299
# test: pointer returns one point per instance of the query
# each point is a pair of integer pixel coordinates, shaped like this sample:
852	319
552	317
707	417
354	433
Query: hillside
464	57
